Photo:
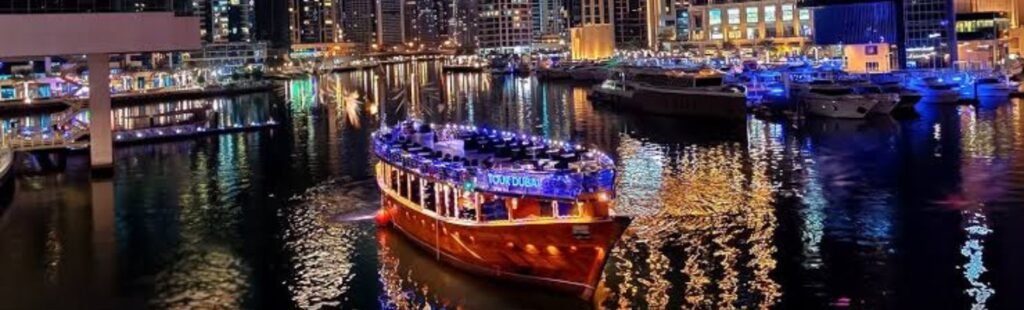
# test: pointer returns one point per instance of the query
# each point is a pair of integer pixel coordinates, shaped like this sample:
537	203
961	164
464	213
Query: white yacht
935	89
690	95
886	101
994	85
836	101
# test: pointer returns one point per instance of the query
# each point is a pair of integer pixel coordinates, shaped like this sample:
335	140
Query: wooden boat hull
568	257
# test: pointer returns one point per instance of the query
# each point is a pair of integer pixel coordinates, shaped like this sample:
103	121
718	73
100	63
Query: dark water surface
926	213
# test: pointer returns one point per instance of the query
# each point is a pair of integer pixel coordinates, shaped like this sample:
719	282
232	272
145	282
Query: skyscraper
505	26
548	18
462	24
360	21
426	22
224	21
630	24
313	21
390	24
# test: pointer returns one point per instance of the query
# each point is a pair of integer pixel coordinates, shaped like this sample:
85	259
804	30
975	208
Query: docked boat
908	97
589	73
994	86
885	101
934	89
836	101
689	95
465	64
553	73
498	204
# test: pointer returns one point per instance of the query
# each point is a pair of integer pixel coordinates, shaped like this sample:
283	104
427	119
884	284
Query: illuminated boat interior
471	175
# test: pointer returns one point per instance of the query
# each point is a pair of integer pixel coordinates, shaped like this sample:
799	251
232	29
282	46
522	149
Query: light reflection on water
873	214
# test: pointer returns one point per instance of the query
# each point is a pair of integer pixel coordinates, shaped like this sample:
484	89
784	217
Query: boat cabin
474	175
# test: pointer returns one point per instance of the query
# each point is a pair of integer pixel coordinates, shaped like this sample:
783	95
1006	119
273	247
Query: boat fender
382	218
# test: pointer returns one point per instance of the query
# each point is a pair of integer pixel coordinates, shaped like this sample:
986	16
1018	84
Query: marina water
924	213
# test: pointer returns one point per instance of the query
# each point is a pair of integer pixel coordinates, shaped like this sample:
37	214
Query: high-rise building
390	24
505	26
225	20
630	24
426	22
926	31
463	23
360	21
314	21
548	18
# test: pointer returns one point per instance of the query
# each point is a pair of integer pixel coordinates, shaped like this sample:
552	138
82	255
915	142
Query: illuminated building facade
594	35
714	22
505	26
981	38
313	21
861	32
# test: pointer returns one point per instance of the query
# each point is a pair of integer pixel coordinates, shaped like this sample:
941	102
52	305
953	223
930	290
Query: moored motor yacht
838	101
935	89
994	86
886	101
675	94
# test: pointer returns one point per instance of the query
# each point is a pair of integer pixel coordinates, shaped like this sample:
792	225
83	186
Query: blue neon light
513	181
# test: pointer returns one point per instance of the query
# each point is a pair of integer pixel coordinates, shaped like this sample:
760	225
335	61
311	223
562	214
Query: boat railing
560	183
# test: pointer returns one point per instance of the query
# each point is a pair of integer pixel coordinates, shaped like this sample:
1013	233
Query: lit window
752	15
769	14
787	12
715	17
734	16
805	14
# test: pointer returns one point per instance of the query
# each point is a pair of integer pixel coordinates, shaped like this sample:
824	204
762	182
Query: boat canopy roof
495	161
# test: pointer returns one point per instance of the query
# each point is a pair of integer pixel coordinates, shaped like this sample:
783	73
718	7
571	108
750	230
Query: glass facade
928	38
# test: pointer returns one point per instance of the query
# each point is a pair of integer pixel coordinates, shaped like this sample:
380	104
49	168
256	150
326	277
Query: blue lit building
922	32
927	33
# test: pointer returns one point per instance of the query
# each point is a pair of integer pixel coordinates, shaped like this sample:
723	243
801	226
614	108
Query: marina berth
510	206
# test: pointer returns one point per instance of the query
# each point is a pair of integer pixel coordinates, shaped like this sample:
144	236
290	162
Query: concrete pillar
101	155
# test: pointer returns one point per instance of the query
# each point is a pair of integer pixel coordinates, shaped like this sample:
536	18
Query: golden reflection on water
708	215
322	248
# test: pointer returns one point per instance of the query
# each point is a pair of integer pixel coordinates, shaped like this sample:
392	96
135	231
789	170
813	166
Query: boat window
567	209
494	209
429	197
871	90
708	81
832	91
414	188
393	178
530	209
